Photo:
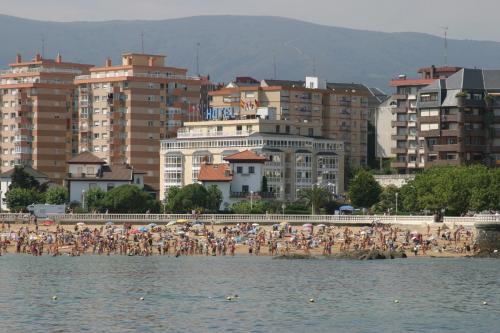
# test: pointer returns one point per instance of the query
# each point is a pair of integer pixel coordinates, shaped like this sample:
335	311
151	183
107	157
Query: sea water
189	294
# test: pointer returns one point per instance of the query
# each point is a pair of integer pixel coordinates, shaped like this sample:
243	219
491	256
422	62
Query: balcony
400	96
450	118
398	150
430	134
399	137
429	119
399	110
442	163
475	148
450	132
399	165
399	123
445	148
469	118
474	132
83	175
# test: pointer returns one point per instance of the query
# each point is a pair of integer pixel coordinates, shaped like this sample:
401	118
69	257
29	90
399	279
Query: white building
87	171
239	178
293	160
6	180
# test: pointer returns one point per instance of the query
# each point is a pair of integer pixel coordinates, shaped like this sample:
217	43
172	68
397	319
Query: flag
256	103
242	104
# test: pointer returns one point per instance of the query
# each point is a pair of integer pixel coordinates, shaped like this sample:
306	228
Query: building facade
294	160
124	111
36	110
342	111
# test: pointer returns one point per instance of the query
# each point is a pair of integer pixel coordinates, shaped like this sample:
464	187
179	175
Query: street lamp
251	201
397	203
83	200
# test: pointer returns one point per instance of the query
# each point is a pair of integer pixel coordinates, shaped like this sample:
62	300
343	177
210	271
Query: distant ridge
245	45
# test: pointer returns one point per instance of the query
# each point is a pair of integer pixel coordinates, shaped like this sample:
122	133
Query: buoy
311	300
485	303
54	298
142	298
236	296
229	298
396	301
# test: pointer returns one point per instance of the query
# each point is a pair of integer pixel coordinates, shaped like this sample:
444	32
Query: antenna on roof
198	59
445	45
274	66
43	46
142	42
314	66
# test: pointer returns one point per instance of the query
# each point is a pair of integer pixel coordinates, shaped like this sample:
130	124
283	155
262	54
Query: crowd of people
196	238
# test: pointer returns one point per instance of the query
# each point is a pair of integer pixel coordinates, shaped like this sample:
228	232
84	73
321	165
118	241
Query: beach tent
346	208
171	223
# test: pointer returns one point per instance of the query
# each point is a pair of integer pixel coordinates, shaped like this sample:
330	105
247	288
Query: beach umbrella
198	225
283	223
80	224
171	223
135	231
321	225
182	221
307	225
255	225
346	207
276	225
180	232
48	222
152	224
414	232
143	229
109	223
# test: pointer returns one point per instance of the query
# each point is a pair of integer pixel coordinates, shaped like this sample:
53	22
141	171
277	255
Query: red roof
246	156
215	173
86	158
417	82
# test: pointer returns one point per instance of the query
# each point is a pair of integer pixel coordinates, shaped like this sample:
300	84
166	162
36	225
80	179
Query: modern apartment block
340	110
396	120
297	156
36	109
459	119
125	110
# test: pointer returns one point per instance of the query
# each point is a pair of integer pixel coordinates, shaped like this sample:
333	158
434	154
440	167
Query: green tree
315	197
56	195
129	199
387	200
21	179
247	207
214	199
364	191
94	199
188	198
18	199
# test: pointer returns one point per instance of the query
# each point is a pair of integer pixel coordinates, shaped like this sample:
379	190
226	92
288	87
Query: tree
387	200
18	199
247	207
94	199
264	184
315	197
188	198
214	198
129	199
364	191
56	195
21	179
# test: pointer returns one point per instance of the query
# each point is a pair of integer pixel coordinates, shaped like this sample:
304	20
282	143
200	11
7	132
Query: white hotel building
297	157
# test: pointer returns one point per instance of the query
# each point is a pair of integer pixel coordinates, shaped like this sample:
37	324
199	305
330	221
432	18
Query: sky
465	19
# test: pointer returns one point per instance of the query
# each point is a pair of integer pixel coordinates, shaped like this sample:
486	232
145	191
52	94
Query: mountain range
254	46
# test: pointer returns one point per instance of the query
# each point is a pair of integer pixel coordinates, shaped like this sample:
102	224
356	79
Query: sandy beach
435	240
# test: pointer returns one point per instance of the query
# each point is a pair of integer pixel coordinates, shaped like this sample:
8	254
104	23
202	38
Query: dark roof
87	158
285	83
29	170
120	172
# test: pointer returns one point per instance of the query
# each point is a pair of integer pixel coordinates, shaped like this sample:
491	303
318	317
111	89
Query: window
239	170
110	186
277	128
310	131
245	188
150	123
90	170
251	169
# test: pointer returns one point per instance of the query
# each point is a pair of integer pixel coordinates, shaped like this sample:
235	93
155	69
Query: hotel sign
221	113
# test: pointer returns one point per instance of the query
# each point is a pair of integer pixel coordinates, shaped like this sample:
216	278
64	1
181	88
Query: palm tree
315	196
